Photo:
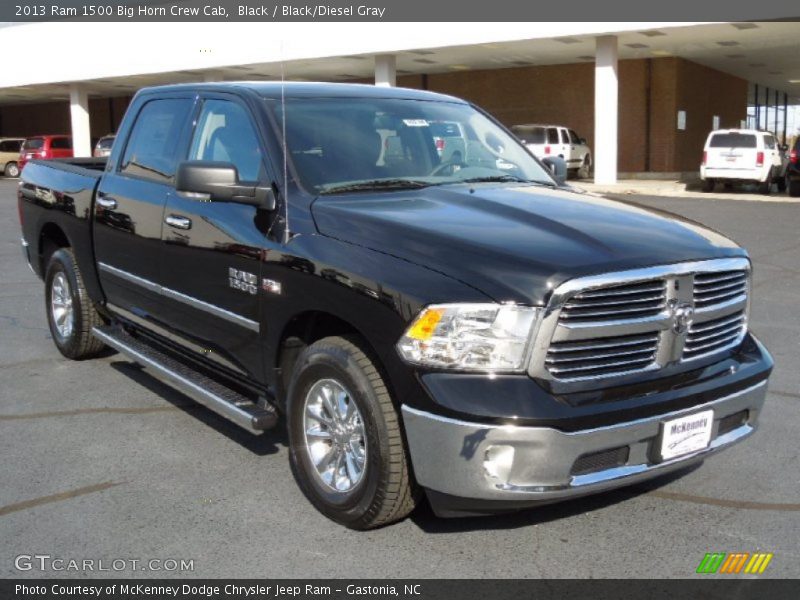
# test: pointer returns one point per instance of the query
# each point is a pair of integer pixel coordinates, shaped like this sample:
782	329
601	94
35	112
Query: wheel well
50	239
302	331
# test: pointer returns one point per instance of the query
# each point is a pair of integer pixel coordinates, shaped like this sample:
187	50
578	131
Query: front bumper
536	465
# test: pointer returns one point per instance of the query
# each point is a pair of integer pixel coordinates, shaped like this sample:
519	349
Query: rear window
33	144
732	140
529	135
61	143
443	129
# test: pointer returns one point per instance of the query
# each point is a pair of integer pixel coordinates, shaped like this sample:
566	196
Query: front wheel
11	170
70	312
794	187
585	170
346	447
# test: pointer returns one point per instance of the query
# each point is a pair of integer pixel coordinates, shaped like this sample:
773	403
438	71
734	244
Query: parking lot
101	462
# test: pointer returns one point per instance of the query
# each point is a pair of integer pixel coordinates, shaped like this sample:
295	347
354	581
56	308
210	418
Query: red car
45	146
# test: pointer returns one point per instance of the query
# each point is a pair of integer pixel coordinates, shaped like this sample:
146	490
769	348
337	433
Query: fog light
497	462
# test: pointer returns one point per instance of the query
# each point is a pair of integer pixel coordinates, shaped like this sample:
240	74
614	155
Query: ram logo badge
242	280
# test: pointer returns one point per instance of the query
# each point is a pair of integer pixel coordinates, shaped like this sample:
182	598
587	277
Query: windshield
350	144
33	144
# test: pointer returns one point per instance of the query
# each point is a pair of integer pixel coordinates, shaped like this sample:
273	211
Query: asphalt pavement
100	462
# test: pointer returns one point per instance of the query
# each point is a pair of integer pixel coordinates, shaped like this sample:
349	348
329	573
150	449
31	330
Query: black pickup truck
463	327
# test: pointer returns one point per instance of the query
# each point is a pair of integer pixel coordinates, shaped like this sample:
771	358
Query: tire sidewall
62	262
333	362
11	170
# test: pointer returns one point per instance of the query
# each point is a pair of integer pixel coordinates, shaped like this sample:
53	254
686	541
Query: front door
130	201
212	251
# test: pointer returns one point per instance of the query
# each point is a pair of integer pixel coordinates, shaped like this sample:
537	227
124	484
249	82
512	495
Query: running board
208	392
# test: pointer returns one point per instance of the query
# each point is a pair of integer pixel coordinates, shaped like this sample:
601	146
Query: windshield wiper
511	178
377	184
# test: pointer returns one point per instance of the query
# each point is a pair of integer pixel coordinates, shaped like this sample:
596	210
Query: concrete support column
79	116
386	70
606	96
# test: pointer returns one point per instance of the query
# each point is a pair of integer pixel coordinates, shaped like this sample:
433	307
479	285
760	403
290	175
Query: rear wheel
708	185
11	170
794	187
346	447
765	187
70	312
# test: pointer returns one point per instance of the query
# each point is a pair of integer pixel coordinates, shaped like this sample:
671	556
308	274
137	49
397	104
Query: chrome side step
208	392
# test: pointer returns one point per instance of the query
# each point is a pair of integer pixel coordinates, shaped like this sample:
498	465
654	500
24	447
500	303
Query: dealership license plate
686	434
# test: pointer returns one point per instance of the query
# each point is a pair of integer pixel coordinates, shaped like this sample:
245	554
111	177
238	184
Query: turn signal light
759	159
547	149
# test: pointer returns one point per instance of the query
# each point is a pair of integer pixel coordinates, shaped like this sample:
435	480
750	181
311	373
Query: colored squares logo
734	563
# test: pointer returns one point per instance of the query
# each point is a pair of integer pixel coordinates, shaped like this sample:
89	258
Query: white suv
743	156
556	140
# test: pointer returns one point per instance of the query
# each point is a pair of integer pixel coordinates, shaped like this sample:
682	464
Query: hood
515	242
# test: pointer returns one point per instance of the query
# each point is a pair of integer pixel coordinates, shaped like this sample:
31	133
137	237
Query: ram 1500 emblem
242	280
682	318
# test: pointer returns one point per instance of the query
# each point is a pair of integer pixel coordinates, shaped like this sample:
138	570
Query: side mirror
784	147
583	141
558	168
219	181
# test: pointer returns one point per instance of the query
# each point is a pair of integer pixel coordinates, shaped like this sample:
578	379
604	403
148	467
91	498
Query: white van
743	156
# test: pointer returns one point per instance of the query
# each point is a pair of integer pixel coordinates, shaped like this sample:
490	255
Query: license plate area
685	435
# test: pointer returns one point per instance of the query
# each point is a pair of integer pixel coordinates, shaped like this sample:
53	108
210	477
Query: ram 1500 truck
464	328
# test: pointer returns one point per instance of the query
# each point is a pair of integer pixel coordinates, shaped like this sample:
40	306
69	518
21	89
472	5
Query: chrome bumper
488	462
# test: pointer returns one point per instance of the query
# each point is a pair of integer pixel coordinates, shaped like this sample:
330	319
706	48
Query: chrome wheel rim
61	305
335	439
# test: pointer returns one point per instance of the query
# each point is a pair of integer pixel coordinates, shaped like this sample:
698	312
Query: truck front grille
712	336
633	300
621	324
602	356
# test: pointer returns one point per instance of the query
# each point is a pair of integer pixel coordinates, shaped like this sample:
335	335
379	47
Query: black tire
385	492
79	343
708	185
11	170
794	188
765	187
585	170
782	183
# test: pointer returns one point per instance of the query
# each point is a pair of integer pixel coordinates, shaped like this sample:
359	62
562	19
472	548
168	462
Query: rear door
60	147
213	250
732	150
129	206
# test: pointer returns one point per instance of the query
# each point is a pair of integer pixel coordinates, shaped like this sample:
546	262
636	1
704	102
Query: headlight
484	337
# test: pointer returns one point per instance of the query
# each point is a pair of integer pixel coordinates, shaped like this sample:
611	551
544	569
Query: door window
152	150
574	137
61	143
564	136
225	133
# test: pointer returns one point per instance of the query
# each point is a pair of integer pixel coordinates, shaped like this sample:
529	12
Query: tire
765	187
585	170
11	170
70	312
782	183
708	185
794	188
384	491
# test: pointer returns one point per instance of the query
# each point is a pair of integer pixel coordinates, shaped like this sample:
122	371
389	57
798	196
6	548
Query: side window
61	143
769	142
152	146
552	136
574	137
564	136
225	133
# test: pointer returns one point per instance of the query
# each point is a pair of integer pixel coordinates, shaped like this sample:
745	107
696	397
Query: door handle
178	222
106	201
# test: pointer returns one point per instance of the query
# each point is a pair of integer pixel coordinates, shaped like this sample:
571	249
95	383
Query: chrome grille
602	356
660	320
716	288
632	300
712	336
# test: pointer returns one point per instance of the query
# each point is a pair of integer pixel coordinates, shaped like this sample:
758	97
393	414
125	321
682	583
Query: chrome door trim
150	286
180	297
174	338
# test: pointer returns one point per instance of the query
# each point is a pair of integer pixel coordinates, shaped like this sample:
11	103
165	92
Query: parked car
793	169
481	334
103	146
9	156
732	156
44	147
557	140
